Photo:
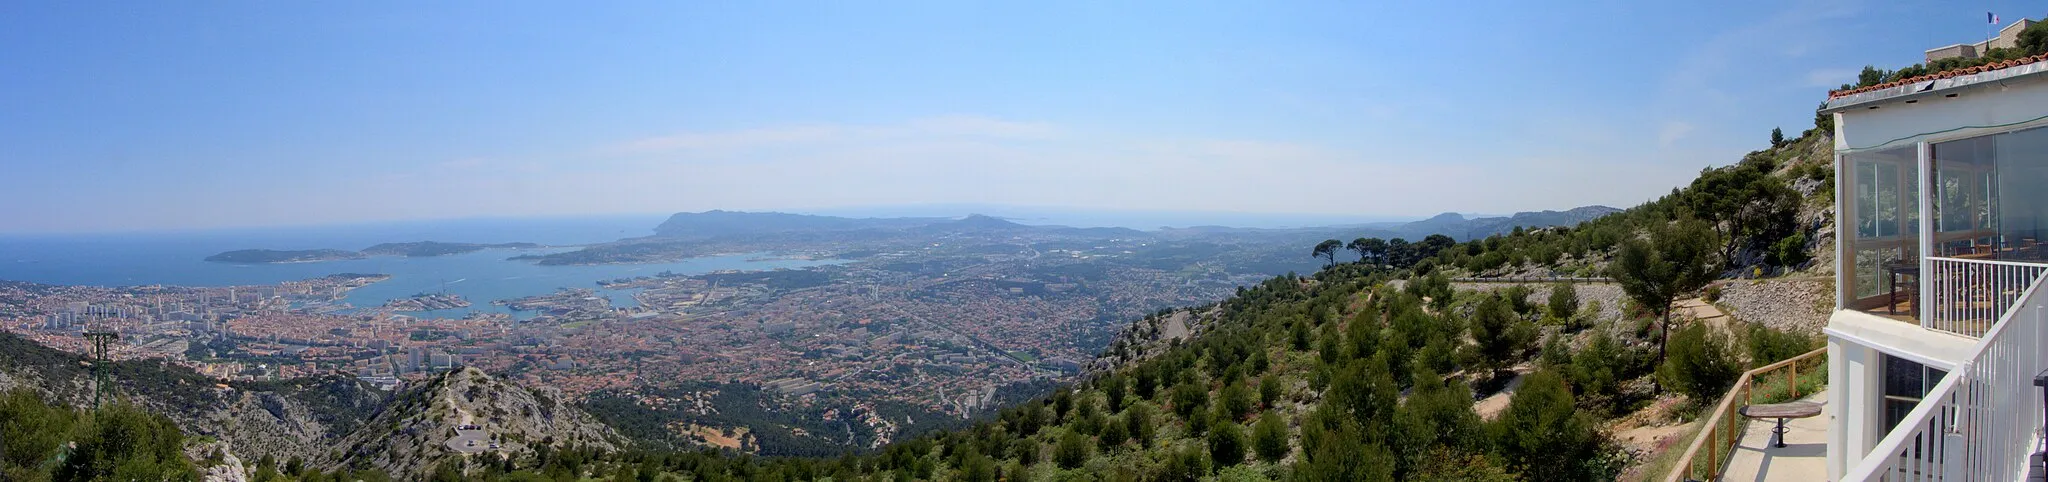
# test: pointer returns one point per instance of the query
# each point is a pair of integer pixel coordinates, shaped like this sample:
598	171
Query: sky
136	116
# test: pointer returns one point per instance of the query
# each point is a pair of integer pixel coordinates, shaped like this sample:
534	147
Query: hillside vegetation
1373	369
1380	370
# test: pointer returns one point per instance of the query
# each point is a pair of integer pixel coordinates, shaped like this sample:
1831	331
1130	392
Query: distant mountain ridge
690	234
719	223
1458	227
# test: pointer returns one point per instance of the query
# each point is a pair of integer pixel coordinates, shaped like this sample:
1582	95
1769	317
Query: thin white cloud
1829	78
1701	79
1672	132
463	164
951	126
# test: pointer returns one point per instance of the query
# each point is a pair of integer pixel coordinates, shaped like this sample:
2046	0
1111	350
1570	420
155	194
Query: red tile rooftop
1941	75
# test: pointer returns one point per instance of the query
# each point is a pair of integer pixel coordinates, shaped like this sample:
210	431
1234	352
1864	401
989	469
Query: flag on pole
1993	17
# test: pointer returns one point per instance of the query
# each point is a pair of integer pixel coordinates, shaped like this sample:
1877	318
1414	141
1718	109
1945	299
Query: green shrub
1599	368
1543	436
1226	444
1235	401
1071	451
1564	301
1269	390
1138	423
1699	364
1790	251
1113	434
1770	345
1190	464
1269	437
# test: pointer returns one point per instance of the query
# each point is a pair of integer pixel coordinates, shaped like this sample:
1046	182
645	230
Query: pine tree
1138	423
1113	435
1226	444
1564	302
1542	435
1655	272
1071	451
1269	437
1269	390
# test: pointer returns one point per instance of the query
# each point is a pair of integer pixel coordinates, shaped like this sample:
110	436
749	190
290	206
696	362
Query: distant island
436	248
263	256
415	249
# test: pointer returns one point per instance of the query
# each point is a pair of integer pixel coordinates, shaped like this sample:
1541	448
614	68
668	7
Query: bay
178	258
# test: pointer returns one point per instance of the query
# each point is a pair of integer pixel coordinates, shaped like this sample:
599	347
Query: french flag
1993	17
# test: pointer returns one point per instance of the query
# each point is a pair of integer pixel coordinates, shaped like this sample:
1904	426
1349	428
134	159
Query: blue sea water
179	259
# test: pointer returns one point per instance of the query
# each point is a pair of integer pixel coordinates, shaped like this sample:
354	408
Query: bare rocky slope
412	433
280	419
327	421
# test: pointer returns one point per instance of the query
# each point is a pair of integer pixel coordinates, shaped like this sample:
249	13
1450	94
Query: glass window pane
1884	197
2020	204
1964	178
1902	378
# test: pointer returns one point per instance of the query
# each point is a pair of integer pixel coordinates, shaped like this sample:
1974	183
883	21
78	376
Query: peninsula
268	256
415	249
436	248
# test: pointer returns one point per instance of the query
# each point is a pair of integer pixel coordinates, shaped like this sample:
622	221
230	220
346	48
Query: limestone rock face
425	425
328	421
229	469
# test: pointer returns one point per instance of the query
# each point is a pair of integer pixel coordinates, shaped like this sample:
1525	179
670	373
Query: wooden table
1781	411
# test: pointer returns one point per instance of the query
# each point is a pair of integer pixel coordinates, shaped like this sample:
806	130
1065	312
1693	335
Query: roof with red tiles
1941	75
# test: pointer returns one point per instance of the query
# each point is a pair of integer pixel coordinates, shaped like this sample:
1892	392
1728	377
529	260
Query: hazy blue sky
150	115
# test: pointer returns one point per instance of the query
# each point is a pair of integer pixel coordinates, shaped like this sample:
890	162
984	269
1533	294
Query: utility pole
101	340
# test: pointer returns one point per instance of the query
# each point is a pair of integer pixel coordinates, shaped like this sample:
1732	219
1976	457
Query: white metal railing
1966	295
1980	423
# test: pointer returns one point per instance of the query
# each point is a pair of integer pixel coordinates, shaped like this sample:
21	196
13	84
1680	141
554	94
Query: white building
1942	209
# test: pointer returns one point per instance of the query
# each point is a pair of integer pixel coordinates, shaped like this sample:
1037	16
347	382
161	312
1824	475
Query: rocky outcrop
217	463
1150	336
330	421
297	418
413	433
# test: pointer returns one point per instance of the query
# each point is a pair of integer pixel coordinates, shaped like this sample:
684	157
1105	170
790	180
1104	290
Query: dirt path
1492	405
1699	311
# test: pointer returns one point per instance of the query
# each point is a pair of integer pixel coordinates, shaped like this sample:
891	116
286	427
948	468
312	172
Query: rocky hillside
432	421
331	421
1152	335
284	420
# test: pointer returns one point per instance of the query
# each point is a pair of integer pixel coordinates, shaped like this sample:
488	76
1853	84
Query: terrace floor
1904	311
1804	456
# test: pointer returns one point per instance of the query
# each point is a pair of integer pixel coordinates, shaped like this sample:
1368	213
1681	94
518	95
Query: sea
178	258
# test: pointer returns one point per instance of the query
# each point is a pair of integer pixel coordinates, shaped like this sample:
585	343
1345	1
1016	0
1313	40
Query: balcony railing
1966	295
1723	427
1979	423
